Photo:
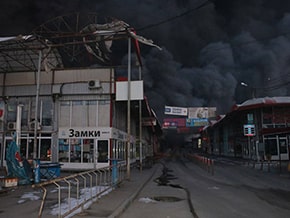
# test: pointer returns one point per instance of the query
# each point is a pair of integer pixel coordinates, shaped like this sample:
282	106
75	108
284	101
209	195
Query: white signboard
136	90
91	132
180	111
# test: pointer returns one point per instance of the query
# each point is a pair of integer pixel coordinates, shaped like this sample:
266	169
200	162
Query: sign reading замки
85	132
180	111
91	132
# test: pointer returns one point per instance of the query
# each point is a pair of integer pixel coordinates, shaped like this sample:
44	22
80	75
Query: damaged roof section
75	40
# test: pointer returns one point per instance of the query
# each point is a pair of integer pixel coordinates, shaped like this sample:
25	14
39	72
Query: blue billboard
193	122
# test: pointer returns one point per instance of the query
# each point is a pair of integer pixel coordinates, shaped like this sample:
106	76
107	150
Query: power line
175	17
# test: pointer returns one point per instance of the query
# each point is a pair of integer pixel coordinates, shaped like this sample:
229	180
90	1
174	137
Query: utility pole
36	105
128	110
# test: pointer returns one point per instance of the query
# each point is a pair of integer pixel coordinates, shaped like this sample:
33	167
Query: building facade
258	129
71	117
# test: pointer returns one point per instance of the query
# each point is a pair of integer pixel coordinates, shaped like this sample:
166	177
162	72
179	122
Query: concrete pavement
146	194
142	196
114	203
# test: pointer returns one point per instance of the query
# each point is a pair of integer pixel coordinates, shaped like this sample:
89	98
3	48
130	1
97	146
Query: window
271	146
103	154
88	151
84	113
47	111
283	146
64	113
76	150
267	115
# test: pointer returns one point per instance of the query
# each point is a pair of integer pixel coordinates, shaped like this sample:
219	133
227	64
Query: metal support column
128	110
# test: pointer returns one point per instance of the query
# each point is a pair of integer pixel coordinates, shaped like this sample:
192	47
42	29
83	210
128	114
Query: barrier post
36	170
212	167
114	172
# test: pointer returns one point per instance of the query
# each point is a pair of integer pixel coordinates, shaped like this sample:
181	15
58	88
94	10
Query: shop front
90	148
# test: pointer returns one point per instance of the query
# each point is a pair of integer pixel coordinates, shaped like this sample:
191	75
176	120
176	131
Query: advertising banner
179	111
193	122
201	112
173	123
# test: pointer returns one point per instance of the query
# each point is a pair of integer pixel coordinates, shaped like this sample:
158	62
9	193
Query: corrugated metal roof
262	102
21	53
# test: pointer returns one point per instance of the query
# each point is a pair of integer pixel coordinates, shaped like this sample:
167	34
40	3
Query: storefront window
76	150
271	146
121	150
283	146
103	154
115	149
63	155
88	150
43	151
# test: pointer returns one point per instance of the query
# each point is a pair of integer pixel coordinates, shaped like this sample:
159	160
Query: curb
127	202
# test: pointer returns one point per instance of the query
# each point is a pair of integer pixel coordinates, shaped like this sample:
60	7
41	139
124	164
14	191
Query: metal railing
73	193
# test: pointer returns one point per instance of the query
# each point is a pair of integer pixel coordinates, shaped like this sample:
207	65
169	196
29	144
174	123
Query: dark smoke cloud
206	53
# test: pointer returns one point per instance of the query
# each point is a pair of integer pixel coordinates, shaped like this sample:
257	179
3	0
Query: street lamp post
128	109
253	89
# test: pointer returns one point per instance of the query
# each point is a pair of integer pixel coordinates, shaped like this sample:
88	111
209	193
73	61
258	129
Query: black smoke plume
207	51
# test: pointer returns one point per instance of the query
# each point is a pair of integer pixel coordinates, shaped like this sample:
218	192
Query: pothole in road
167	198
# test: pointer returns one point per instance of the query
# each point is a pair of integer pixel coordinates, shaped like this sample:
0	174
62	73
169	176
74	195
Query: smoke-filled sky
206	51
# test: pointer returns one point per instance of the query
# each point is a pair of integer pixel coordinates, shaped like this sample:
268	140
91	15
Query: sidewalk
157	200
111	205
114	203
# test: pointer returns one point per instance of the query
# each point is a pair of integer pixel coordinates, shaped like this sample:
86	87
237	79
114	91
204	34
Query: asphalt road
234	190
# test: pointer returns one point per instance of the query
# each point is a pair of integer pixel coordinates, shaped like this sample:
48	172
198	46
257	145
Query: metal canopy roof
74	40
21	53
262	102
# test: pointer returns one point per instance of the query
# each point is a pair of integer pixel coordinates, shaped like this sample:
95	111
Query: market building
258	129
60	102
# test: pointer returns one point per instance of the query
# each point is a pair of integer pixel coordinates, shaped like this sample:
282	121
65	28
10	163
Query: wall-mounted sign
179	111
249	130
136	90
77	132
